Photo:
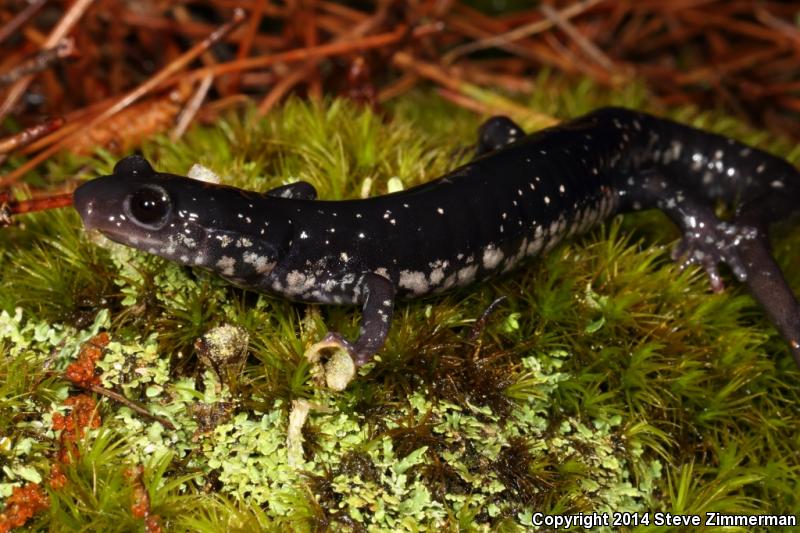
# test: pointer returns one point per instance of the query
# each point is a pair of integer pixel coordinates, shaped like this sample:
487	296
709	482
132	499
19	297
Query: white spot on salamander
467	274
261	263
224	240
226	265
297	282
491	257
413	281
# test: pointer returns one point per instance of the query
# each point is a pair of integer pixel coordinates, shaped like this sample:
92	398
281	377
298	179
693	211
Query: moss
608	379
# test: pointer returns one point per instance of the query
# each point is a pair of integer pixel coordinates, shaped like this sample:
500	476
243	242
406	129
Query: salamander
519	197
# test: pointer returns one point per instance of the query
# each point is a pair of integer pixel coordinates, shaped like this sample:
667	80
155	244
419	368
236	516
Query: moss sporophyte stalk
609	381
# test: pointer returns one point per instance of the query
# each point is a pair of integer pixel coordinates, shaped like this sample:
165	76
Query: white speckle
361	235
298	283
261	263
467	274
224	240
244	242
504	215
491	257
344	257
440	210
358	215
777	184
760	168
413	281
519	192
547	200
303	235
561	189
535	246
392	221
226	265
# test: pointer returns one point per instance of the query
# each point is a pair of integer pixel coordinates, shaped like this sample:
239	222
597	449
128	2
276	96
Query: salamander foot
709	245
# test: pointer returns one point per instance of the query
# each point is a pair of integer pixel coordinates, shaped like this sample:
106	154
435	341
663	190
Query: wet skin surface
519	197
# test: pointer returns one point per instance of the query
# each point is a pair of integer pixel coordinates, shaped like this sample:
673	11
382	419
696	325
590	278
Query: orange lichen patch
151	524
23	503
84	414
82	371
57	478
140	506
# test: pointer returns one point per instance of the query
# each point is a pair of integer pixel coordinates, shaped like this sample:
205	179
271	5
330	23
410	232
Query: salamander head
223	229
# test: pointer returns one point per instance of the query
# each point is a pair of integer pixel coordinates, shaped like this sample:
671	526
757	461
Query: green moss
608	379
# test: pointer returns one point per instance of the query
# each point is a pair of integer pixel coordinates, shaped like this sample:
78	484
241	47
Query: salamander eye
149	206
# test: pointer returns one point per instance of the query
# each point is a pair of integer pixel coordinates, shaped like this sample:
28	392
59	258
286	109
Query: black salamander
519	197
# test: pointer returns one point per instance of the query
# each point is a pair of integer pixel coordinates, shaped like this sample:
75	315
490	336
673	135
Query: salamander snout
88	201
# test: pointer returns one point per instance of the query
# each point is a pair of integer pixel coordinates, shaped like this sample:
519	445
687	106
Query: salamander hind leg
496	133
706	240
345	357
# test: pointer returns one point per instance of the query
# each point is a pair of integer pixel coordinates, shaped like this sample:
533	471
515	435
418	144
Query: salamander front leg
299	190
346	357
496	133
